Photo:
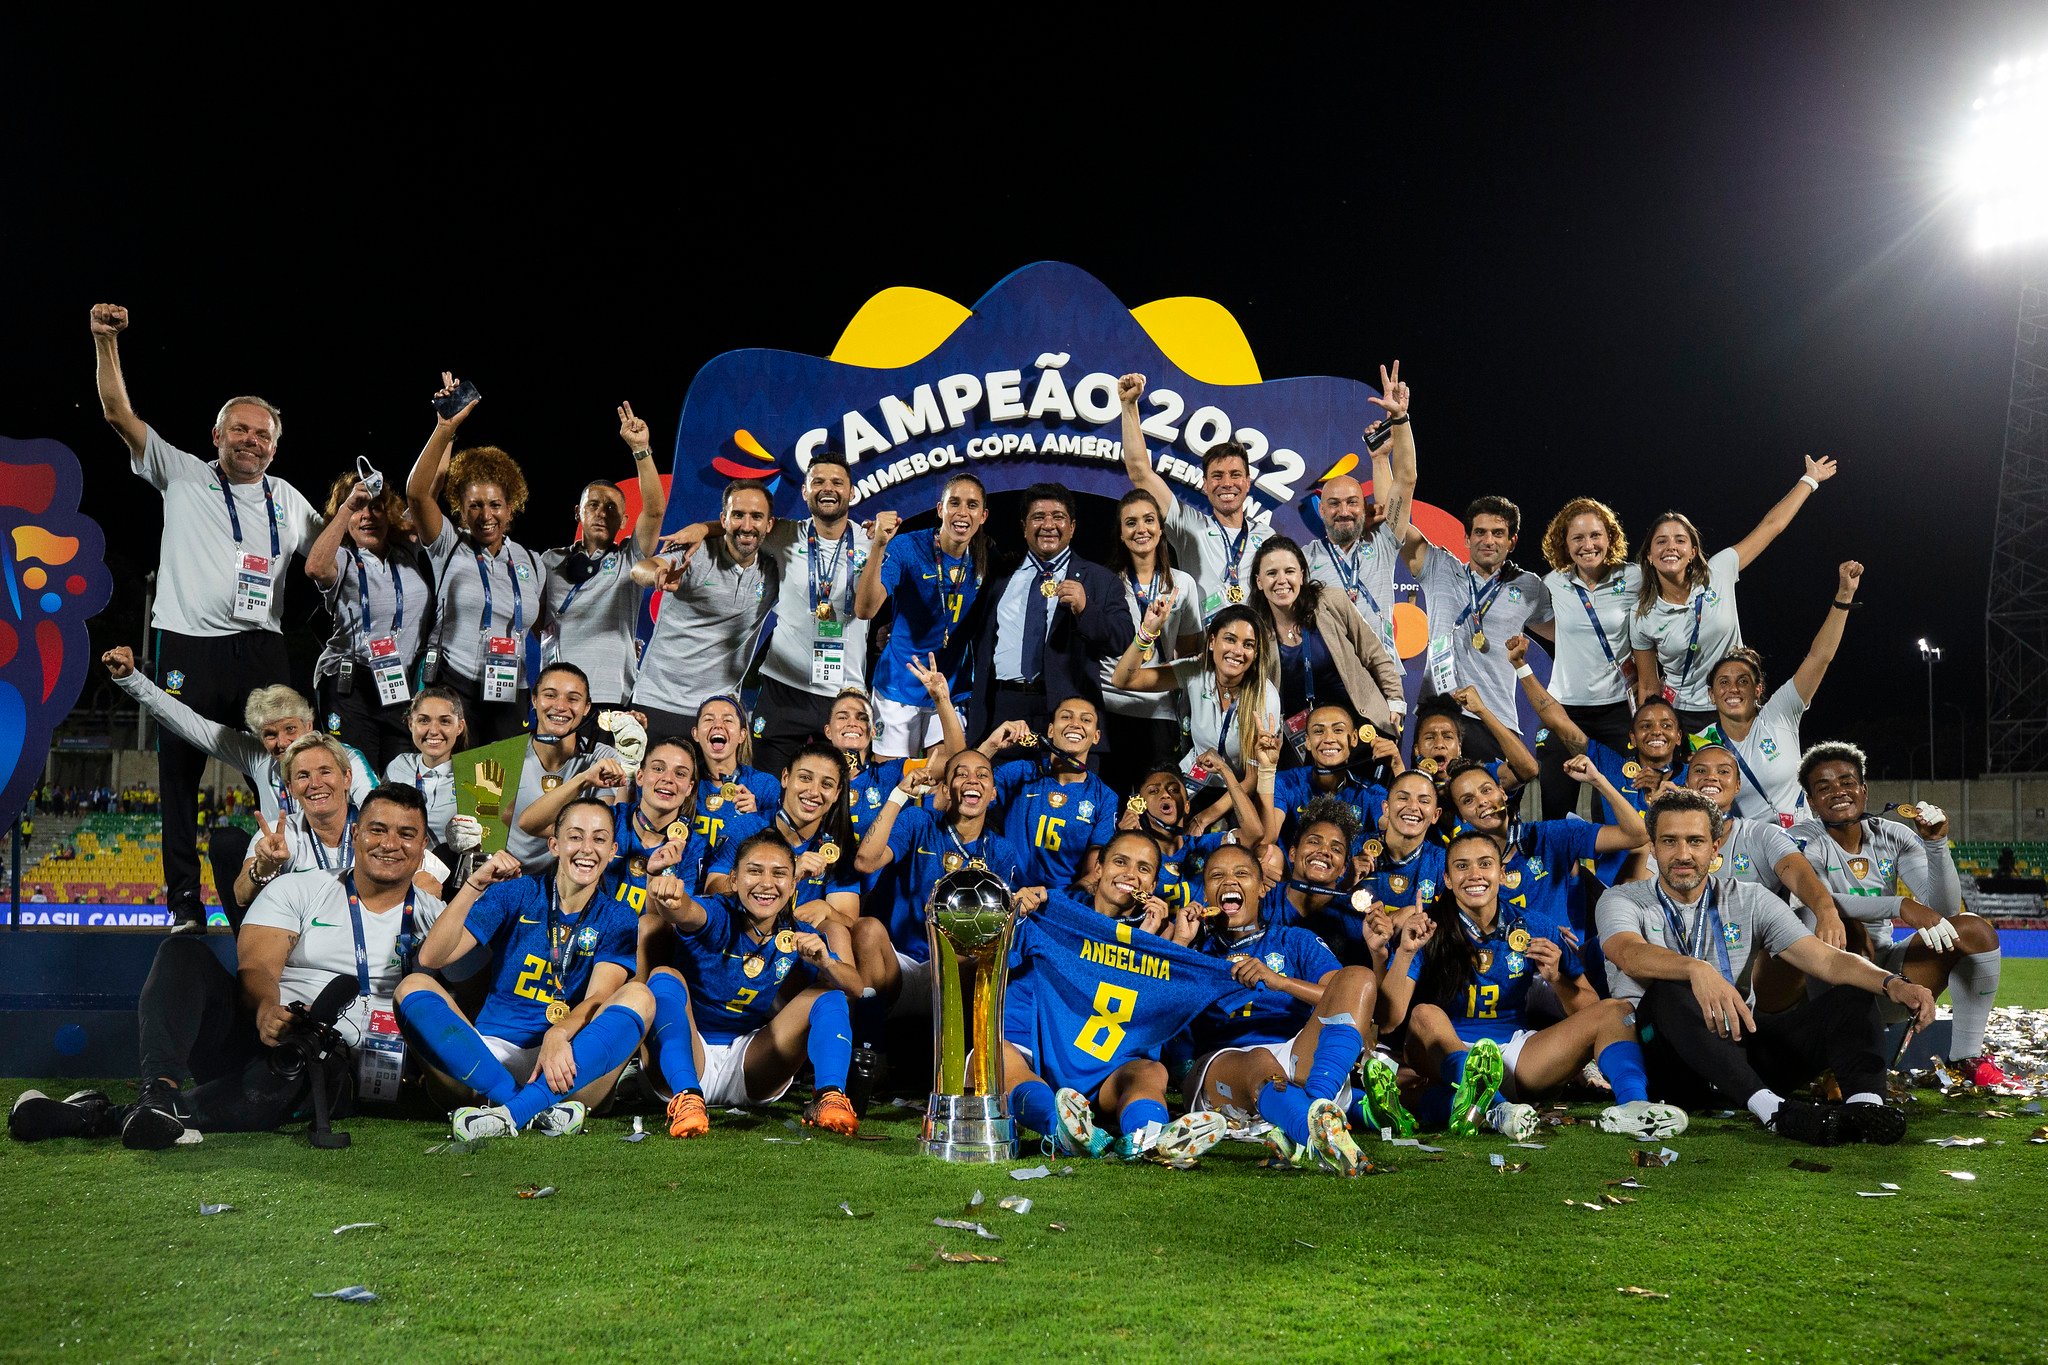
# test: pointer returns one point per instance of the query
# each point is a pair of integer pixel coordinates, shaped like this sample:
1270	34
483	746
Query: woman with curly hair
1593	589
379	590
490	589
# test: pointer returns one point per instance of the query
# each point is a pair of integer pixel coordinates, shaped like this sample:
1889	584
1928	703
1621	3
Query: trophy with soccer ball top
968	925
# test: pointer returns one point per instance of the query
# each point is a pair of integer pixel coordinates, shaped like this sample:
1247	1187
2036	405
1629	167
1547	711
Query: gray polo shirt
590	624
1892	864
1365	575
1201	546
1770	758
518	586
1751	853
532	849
1448	589
1581	673
796	617
436	787
196	563
1183	621
1751	917
708	627
1667	628
400	605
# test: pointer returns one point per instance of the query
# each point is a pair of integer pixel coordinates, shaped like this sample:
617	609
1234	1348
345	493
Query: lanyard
1144	596
1353	581
1706	916
1599	631
1750	781
1501	928
1232	554
952	573
363	592
235	517
483	572
280	791
822	577
574	588
1223	730
1481	601
1692	648
974	859
558	926
343	859
355	919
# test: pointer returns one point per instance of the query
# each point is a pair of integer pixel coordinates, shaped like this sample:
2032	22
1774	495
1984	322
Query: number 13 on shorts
1114	1006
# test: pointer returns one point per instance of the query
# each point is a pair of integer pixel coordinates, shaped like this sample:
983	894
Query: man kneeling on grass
1685	948
207	1035
562	1017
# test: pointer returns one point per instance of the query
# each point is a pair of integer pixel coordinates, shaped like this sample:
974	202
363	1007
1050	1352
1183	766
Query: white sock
1764	1104
1864	1097
1972	987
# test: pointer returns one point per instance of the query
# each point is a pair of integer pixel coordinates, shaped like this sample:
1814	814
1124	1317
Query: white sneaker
482	1121
1515	1122
560	1120
1188	1136
1643	1120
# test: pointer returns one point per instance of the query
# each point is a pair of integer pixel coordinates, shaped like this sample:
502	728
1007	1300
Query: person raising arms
1215	545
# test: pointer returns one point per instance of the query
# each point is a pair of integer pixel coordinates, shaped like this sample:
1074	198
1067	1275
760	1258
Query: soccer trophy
968	924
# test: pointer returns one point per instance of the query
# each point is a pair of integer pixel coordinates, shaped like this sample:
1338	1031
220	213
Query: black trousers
489	721
215	674
1136	747
1609	724
662	724
227	848
1692	722
379	731
197	1030
1007	703
1689	1064
789	718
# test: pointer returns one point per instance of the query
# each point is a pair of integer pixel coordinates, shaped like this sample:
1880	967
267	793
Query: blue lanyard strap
574	588
1706	925
363	594
1150	591
342	859
235	516
1350	577
355	920
1480	602
1233	554
483	572
822	571
559	929
1599	631
1692	648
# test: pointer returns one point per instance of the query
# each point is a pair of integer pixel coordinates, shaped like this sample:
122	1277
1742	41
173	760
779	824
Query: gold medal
714	803
752	966
1518	940
1234	593
730	790
1361	900
550	782
1136	805
557	1011
1236	958
1366	734
1173	869
1909	811
1049	589
678	830
829	851
1715	866
1056	799
824	611
1428	765
1027	741
1479	640
951	862
785	942
636	867
977	865
1374	848
1631	770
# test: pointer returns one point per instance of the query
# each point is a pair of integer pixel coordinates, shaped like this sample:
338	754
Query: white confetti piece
1015	1203
355	1293
1030	1173
208	1210
1960	1175
355	1227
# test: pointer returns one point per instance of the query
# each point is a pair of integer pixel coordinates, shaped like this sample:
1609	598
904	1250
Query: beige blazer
1370	674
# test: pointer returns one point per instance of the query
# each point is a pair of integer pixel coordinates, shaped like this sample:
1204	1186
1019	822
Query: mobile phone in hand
465	394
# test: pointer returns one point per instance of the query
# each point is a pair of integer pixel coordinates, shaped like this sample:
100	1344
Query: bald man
1361	540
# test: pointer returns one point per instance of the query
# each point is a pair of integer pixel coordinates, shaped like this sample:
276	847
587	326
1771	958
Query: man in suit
1046	623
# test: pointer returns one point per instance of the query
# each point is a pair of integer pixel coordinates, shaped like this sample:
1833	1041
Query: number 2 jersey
511	919
735	982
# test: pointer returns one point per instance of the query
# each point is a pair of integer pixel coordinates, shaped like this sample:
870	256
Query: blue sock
1433	1110
1034	1106
1452	1068
600	1047
670	1037
1286	1108
1337	1049
455	1047
831	1040
1138	1113
1622	1064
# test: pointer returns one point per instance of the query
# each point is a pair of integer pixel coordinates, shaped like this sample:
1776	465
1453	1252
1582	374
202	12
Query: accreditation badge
380	1059
501	668
828	655
253	587
387	670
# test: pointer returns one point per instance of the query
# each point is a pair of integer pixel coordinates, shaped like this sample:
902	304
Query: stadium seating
120	862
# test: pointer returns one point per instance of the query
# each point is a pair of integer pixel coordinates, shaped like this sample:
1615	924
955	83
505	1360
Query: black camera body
314	1048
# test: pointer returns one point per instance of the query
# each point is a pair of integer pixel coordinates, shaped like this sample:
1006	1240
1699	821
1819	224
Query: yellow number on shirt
1520	902
1482	1002
1047	835
1114	1006
709	827
528	984
739	1003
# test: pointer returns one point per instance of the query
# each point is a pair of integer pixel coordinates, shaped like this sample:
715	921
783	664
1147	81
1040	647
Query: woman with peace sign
318	834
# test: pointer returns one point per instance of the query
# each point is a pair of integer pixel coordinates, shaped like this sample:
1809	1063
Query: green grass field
734	1247
2024	981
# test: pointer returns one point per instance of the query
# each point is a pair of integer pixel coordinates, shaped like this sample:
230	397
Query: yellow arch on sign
1202	338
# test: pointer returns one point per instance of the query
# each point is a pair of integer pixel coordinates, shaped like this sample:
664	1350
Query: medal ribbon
235	517
1352	579
1233	555
1707	915
821	578
343	859
1481	601
355	918
952	592
1599	631
1692	648
363	594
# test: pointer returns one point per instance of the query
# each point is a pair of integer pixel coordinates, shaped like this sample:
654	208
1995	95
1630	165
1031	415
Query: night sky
1654	259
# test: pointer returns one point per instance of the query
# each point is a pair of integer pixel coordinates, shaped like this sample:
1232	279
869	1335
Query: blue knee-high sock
671	1036
831	1040
455	1047
1452	1068
1138	1113
1337	1049
1034	1106
1622	1064
1433	1110
1286	1108
600	1047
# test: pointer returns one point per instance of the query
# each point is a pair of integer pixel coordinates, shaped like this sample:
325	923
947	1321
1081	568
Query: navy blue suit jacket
1074	649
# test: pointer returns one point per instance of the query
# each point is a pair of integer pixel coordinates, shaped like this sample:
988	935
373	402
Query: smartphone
465	394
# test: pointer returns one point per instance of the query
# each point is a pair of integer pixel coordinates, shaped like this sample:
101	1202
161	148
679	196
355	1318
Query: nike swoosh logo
323	924
524	920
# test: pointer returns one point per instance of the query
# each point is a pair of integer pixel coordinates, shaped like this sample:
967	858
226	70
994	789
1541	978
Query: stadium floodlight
2003	165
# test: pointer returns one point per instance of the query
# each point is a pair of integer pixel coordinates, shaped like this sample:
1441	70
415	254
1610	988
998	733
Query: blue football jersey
735	982
1053	823
715	814
635	845
926	849
1179	880
511	919
838	876
1268	1015
1409	881
1609	865
1294	788
1536	879
1494	1004
931	592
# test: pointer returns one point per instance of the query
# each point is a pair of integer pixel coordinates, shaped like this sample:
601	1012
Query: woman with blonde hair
1593	590
490	588
379	591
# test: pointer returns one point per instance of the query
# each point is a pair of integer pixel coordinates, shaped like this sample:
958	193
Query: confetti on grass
846	1207
962	1225
969	1258
208	1210
355	1293
355	1227
1015	1203
455	1148
1876	1194
1960	1175
537	1192
1636	1291
1031	1173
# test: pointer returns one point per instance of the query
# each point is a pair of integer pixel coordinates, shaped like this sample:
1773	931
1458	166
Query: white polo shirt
1582	673
1202	546
314	906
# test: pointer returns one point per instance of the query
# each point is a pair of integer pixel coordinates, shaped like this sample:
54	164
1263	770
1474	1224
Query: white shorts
1510	1053
518	1060
1242	1110
723	1076
916	996
903	729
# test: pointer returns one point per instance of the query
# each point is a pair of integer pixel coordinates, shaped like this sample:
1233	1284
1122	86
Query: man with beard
1216	545
819	647
1875	868
1684	948
1361	541
711	617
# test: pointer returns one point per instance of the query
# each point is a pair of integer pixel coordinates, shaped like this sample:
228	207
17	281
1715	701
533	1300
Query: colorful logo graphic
51	563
